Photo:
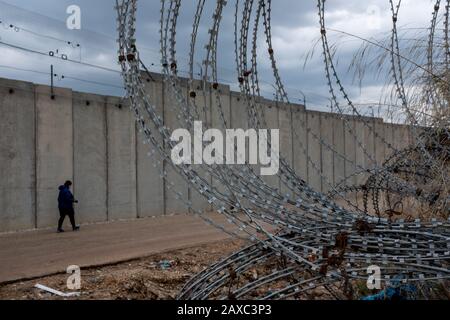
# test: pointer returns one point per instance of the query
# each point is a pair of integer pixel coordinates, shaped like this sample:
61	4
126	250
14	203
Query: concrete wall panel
225	102
121	161
369	142
17	156
286	150
174	182
54	150
399	133
389	137
405	136
326	129
360	145
270	112
350	150
314	151
217	122
339	143
300	143
150	186
239	118
203	103
90	157
380	146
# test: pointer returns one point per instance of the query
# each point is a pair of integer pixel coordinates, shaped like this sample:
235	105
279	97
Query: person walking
65	206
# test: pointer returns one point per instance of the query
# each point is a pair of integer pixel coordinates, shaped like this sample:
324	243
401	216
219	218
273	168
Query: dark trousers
66	212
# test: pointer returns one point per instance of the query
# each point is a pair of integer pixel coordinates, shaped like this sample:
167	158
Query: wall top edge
152	76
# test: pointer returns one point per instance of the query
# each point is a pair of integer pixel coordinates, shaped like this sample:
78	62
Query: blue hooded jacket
65	198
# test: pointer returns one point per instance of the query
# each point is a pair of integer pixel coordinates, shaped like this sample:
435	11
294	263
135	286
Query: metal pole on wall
304	98
51	82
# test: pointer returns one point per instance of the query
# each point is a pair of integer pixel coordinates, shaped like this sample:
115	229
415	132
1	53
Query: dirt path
141	279
39	253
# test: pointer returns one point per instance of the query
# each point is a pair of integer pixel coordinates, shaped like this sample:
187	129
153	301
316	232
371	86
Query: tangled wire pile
304	240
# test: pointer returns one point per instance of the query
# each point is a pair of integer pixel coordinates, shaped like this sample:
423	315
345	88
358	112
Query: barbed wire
303	239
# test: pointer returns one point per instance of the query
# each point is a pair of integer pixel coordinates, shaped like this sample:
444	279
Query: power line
17	28
62	77
63	22
22	69
63	57
88	30
81	63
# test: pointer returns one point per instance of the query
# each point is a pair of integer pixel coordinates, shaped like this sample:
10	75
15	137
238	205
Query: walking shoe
77	228
60	230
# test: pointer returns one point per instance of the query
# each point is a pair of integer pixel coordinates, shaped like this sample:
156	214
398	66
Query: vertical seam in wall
136	133
385	147
307	147
321	153
210	206
374	149
292	139
107	157
393	137
164	164
333	159
344	152
280	183
231	112
73	145
189	189
35	158
356	146
353	143
375	142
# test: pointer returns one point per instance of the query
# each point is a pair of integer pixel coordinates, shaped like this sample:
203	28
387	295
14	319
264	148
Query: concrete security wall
95	141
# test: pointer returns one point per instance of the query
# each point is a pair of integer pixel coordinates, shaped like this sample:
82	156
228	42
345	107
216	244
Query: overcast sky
41	26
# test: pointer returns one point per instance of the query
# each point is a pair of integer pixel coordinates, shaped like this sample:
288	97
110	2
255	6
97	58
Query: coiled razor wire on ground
303	240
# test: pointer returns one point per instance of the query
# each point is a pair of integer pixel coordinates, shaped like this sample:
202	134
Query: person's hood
61	188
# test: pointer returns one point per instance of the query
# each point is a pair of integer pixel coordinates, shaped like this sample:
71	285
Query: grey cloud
295	30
